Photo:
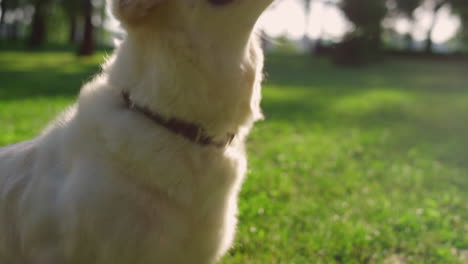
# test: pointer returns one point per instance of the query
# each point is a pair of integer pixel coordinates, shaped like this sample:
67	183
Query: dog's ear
133	11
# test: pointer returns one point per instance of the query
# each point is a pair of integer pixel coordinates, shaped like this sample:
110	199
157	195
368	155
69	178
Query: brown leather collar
190	131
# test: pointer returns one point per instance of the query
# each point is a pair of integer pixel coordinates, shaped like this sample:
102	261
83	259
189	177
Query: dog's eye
220	2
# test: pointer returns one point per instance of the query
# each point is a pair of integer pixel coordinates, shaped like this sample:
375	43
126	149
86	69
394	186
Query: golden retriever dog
147	166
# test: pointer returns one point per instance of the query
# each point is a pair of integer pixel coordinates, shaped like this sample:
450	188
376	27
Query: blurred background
314	26
363	156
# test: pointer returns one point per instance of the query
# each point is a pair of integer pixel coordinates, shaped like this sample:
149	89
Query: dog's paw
133	11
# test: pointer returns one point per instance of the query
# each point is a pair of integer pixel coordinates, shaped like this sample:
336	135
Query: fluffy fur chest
160	190
134	202
185	215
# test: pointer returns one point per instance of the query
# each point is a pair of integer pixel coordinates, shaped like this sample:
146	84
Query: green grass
351	165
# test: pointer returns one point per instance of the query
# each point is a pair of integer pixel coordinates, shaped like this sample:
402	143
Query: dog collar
188	130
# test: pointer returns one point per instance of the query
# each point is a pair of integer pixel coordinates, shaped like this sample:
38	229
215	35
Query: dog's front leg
133	11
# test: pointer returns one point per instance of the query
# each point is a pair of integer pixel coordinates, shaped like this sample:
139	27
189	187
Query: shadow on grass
45	74
20	46
401	74
419	103
46	83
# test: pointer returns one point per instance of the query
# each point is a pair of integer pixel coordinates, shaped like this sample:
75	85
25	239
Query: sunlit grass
351	165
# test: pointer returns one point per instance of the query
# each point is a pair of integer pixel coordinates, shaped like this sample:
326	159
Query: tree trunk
37	36
73	29
428	47
409	40
2	13
305	37
429	43
87	44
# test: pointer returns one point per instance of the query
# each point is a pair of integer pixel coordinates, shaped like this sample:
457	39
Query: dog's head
205	18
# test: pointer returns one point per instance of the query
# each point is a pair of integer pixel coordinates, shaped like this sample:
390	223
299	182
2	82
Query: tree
3	7
460	7
366	15
72	9
6	6
407	7
364	43
38	32
87	43
307	9
437	6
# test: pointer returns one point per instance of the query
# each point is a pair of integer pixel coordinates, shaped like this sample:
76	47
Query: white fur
106	185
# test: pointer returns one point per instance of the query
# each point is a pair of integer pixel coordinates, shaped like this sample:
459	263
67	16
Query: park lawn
366	165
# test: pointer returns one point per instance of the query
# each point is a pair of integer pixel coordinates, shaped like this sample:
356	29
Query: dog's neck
215	85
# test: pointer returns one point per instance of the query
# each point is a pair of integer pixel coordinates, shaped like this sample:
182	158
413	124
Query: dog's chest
185	213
